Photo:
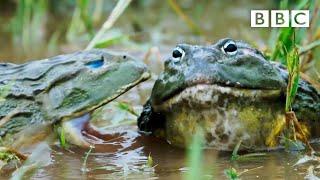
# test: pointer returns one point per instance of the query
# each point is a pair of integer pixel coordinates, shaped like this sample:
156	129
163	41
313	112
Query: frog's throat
205	95
143	77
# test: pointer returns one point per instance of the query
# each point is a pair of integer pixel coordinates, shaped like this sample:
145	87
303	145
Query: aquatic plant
289	48
231	174
8	155
236	157
84	167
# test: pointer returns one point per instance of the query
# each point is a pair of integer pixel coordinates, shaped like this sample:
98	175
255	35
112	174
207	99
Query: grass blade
115	14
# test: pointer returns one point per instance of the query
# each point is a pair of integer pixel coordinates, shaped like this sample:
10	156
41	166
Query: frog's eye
95	63
230	48
178	53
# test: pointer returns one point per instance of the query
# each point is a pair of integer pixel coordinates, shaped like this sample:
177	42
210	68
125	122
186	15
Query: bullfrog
228	92
63	89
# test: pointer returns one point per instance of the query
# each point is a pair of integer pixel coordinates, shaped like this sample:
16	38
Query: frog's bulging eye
95	64
230	48
178	53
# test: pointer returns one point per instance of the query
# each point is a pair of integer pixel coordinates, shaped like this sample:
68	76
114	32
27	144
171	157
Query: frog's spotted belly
226	115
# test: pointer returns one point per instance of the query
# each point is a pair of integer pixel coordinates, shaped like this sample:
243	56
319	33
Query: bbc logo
280	18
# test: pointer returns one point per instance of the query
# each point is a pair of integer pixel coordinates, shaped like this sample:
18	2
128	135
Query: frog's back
33	77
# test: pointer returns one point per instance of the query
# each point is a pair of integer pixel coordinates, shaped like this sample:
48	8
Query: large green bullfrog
229	92
62	89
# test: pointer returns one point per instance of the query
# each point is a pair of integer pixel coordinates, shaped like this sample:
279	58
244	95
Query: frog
62	91
227	92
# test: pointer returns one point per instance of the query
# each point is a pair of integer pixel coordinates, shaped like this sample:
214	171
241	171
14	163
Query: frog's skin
228	95
64	87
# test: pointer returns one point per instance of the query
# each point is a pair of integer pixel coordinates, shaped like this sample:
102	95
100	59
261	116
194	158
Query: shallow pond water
109	162
125	156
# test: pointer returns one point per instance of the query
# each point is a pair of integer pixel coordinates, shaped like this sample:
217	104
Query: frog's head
228	63
81	82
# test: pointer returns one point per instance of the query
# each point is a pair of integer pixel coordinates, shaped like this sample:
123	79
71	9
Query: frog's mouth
91	108
207	95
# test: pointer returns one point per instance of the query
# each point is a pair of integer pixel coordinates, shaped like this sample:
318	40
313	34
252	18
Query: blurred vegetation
195	157
28	19
48	27
39	28
281	39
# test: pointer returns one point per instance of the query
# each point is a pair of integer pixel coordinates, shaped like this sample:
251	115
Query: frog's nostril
124	56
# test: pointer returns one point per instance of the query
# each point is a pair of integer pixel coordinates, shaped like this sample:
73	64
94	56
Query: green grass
61	136
84	167
284	40
85	16
231	174
293	80
150	162
291	47
7	157
108	24
127	107
195	158
236	157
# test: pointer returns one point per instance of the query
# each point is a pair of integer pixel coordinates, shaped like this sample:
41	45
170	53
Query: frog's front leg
80	132
73	130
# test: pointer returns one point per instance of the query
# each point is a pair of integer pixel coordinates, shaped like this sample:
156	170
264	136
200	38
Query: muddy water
124	155
170	163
